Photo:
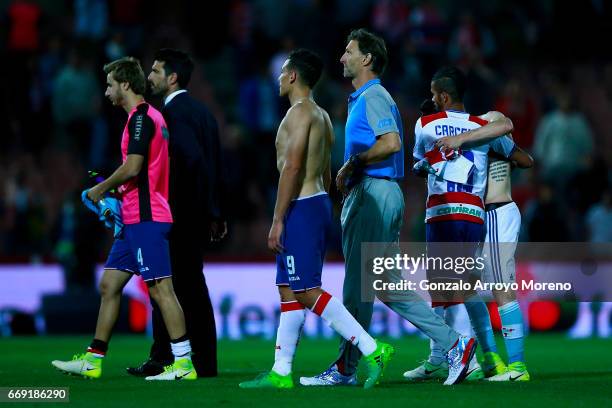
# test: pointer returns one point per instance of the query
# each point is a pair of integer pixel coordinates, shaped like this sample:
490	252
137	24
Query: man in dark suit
196	199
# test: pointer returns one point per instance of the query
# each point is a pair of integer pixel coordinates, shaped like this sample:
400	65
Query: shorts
304	238
143	250
454	239
502	226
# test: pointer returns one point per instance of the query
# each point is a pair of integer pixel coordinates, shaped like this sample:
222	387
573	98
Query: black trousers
186	254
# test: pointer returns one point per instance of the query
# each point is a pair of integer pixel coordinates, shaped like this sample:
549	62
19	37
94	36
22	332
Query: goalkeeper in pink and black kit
142	248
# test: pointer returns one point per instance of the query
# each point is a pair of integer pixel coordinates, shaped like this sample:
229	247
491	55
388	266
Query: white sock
584	325
339	319
603	320
290	326
456	316
182	349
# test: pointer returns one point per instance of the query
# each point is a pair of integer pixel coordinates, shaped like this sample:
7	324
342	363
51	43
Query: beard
156	91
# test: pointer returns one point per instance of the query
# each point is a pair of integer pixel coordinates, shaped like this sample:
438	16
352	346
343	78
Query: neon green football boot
516	371
86	365
427	371
474	371
181	369
377	363
271	379
493	364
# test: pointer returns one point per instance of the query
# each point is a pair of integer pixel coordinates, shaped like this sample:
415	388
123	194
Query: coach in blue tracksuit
196	199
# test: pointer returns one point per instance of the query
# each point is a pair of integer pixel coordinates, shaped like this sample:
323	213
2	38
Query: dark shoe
148	368
204	370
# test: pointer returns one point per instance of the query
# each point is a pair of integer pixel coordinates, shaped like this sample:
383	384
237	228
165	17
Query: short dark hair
450	80
128	69
176	61
371	44
308	65
428	107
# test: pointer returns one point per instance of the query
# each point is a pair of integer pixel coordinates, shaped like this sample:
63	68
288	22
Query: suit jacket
196	173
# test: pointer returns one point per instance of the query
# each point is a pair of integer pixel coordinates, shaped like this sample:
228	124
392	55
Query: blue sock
481	322
512	329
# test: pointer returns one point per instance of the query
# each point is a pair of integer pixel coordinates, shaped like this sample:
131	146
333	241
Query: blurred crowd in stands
540	62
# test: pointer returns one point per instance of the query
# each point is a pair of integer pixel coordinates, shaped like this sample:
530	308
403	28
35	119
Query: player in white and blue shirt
455	213
445	197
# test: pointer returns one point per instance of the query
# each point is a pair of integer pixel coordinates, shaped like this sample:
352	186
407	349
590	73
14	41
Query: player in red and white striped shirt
455	211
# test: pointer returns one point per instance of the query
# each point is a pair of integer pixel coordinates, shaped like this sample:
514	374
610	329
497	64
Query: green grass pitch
564	373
